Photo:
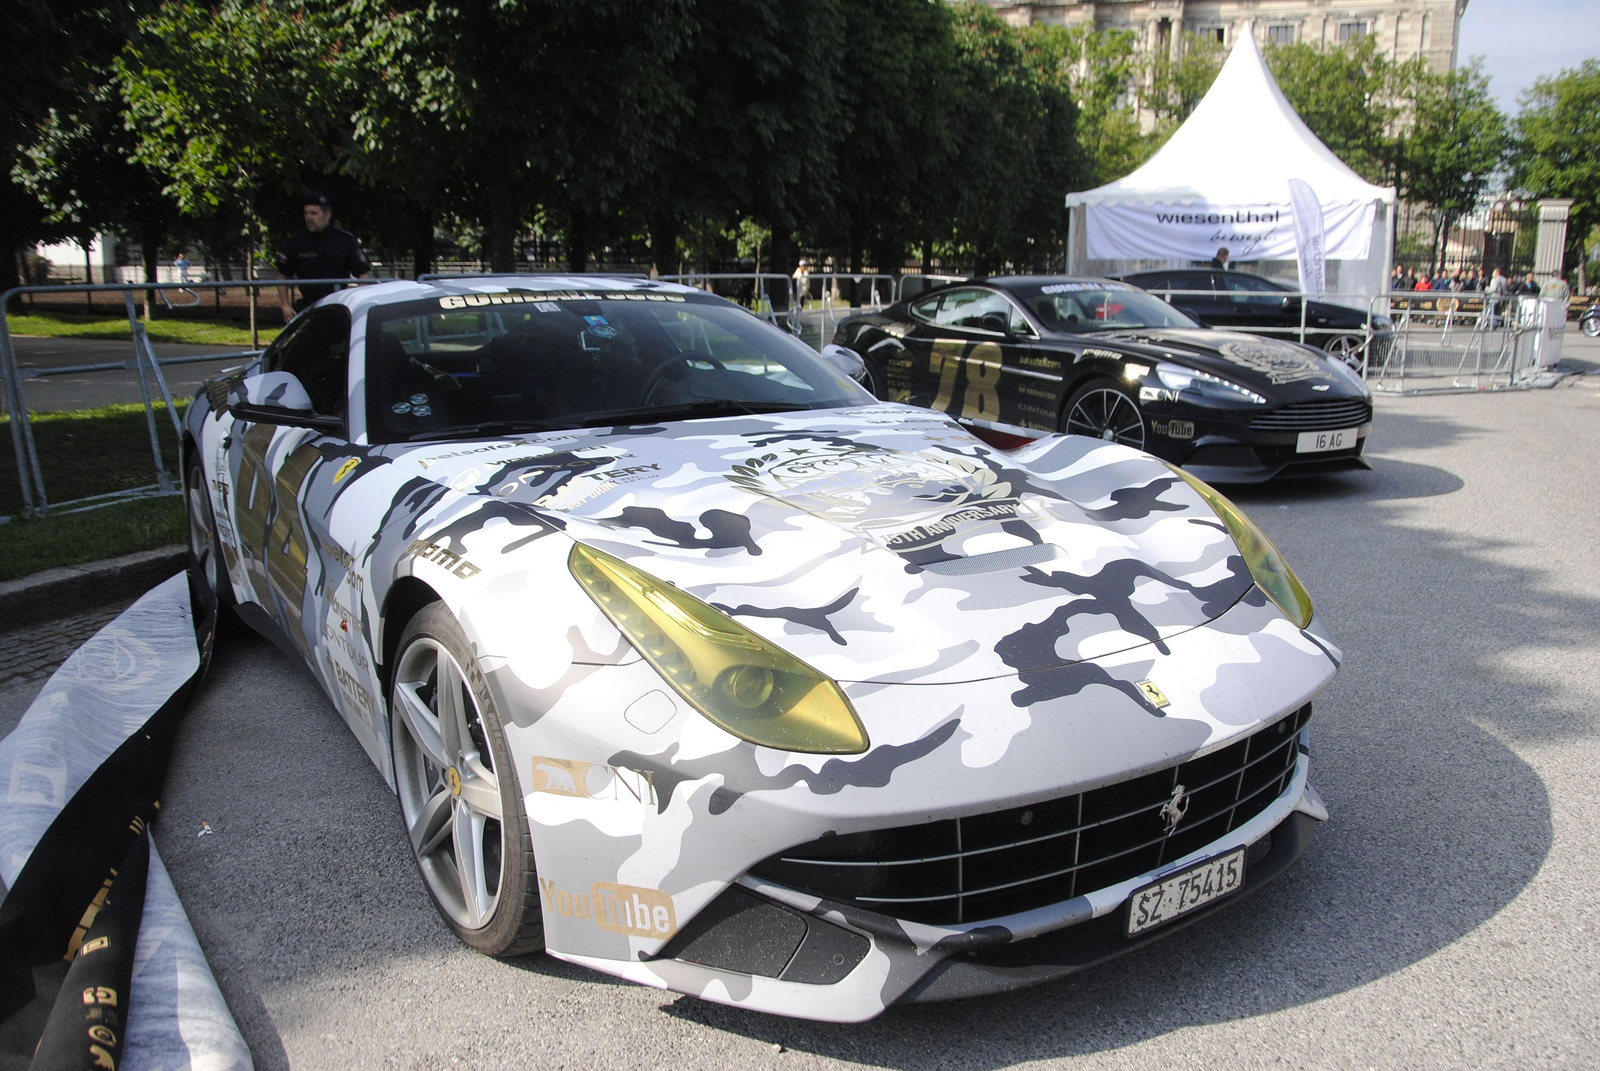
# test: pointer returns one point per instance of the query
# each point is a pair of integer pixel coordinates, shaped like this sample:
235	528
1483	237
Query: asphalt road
83	390
1444	917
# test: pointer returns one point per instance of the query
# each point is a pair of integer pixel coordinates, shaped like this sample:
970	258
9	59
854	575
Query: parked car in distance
1032	354
1255	303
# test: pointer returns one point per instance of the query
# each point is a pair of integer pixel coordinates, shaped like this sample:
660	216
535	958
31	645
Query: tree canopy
868	130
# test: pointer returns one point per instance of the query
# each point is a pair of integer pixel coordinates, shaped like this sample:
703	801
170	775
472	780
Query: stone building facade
1404	28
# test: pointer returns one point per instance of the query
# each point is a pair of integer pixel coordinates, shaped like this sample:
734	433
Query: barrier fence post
135	327
29	477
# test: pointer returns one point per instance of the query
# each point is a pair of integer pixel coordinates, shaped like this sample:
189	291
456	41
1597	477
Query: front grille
989	865
1329	415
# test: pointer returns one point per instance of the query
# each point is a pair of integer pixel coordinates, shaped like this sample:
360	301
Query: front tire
458	791
1590	325
1101	409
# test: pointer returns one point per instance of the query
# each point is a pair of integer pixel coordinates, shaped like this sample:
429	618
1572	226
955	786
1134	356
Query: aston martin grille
1316	416
989	865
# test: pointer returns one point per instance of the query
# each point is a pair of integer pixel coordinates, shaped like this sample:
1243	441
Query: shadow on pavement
1436	824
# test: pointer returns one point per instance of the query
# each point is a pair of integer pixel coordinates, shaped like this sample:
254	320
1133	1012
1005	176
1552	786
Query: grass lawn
81	325
72	538
81	453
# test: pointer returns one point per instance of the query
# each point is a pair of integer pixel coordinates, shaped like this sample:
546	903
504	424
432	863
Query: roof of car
361	298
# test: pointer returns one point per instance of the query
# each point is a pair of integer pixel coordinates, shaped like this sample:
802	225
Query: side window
927	308
316	350
1019	324
1252	289
981	310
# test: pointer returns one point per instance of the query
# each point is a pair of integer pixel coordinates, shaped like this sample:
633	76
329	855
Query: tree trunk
578	241
150	249
502	215
663	244
857	242
423	251
88	271
784	261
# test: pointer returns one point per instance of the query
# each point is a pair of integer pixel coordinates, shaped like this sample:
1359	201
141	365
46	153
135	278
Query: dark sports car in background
1027	354
1255	303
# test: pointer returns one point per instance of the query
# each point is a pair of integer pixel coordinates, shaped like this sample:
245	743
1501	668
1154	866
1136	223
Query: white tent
1222	180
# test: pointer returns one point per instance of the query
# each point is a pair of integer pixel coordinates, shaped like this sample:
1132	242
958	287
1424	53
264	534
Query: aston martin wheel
1102	410
209	575
458	791
1346	348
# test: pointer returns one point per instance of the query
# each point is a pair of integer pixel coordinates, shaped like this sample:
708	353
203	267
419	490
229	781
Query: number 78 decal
982	399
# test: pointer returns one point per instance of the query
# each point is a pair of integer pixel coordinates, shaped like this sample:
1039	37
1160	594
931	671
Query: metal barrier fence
1467	341
152	383
755	291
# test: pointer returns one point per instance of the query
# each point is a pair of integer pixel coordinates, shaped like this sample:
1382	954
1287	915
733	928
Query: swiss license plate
1168	898
1313	442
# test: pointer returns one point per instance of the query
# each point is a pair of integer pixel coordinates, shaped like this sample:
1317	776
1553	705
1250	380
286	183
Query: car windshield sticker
599	328
1279	362
1073	288
547	306
523	297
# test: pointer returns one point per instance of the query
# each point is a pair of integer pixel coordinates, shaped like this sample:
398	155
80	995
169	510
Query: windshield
1079	308
493	363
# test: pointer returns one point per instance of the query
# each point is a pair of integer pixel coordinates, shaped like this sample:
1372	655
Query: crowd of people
1462	279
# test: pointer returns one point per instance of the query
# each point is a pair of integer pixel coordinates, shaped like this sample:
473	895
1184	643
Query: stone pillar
1552	245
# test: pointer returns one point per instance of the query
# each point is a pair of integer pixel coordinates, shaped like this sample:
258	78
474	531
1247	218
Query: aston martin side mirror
844	360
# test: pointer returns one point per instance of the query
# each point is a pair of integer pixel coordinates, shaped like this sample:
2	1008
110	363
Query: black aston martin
1027	354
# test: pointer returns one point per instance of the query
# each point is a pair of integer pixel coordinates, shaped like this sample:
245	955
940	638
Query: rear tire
1590	325
458	789
1346	348
207	572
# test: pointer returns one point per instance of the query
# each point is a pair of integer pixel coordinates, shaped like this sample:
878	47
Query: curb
74	588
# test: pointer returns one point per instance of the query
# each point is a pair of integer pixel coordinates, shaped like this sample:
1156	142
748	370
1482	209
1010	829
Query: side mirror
843	360
278	398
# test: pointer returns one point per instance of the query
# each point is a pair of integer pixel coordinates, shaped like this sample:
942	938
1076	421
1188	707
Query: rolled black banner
82	872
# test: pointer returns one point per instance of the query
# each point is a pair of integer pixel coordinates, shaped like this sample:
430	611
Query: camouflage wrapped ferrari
692	662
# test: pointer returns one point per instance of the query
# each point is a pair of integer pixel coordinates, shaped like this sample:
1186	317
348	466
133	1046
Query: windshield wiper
488	427
610	417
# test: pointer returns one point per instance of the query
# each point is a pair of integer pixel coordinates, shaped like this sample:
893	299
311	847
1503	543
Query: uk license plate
1314	442
1180	894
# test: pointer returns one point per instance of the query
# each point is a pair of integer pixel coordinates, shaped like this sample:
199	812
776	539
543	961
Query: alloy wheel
449	790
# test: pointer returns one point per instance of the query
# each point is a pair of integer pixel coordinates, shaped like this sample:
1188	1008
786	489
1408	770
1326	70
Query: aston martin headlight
1272	574
1177	377
735	678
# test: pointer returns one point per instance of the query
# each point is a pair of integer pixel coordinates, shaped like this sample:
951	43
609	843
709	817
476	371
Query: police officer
321	251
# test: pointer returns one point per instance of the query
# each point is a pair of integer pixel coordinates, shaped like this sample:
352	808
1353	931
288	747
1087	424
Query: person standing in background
1221	259
320	251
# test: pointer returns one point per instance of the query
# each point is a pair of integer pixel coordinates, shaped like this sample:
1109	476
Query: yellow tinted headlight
734	677
1272	574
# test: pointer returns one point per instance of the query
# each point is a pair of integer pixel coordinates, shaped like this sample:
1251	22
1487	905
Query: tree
1555	153
1452	144
1016	150
894	90
1349	96
1176	86
48	51
83	173
234	101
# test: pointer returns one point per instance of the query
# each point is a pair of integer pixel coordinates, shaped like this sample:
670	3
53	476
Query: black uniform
327	254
